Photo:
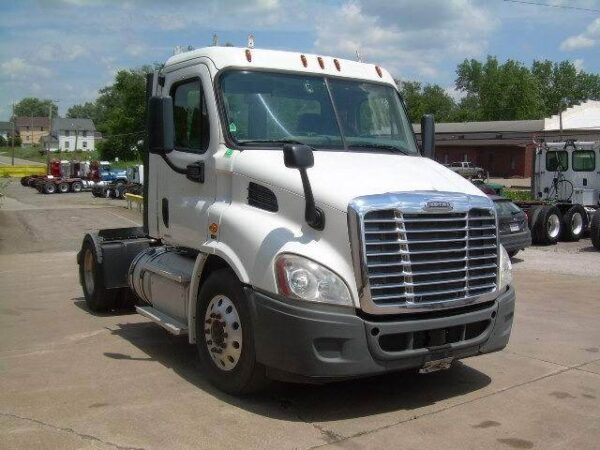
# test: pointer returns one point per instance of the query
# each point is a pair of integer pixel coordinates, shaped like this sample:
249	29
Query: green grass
518	195
35	154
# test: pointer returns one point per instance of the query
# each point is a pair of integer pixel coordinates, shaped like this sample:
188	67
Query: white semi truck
294	229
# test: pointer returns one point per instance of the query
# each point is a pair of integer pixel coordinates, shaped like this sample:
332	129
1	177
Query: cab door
186	176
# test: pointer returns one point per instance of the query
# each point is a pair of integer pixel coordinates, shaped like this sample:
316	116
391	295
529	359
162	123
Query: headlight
303	279
505	269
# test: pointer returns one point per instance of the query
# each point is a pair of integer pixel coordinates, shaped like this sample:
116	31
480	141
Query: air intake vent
262	197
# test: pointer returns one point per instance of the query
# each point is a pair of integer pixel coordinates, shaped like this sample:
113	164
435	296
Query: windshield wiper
270	141
391	148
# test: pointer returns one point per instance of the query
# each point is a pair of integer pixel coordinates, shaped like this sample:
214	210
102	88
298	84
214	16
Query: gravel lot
73	380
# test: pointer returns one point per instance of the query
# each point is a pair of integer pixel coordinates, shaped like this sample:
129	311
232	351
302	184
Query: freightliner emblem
437	205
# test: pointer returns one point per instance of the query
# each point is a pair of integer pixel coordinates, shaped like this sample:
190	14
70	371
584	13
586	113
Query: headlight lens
303	279
505	269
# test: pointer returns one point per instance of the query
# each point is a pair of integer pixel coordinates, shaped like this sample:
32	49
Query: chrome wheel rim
553	226
223	333
88	271
576	224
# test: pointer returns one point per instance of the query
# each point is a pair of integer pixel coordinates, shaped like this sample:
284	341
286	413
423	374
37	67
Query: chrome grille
414	258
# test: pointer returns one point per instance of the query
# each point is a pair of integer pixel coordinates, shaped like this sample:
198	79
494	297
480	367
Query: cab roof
254	58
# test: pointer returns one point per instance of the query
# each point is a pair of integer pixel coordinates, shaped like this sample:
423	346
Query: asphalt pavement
70	379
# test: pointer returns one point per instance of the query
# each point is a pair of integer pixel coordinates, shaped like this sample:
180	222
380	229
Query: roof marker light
321	63
379	72
336	63
304	61
248	55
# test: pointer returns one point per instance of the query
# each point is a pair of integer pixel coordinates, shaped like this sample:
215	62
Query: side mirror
161	130
428	136
299	156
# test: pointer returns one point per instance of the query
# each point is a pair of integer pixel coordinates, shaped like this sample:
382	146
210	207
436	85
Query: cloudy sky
67	49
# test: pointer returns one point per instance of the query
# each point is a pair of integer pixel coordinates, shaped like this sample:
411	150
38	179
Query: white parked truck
566	191
294	230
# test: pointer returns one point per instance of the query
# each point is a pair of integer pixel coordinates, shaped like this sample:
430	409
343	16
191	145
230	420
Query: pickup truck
467	169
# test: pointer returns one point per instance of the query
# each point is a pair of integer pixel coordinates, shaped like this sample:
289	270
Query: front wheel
225	336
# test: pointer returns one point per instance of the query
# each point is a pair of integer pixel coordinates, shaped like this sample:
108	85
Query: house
5	130
72	134
32	129
506	148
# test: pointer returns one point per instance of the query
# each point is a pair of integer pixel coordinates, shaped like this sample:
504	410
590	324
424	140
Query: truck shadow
309	403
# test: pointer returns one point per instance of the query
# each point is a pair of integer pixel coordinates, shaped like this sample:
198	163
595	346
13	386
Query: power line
577	8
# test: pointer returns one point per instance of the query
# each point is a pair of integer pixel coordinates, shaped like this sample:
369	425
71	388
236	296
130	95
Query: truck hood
339	177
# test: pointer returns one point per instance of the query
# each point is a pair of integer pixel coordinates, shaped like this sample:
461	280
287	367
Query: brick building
506	148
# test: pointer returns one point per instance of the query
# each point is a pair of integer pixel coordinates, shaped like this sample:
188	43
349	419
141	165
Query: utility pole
50	136
12	141
31	126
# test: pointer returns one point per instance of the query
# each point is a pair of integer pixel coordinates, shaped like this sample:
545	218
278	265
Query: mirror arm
314	216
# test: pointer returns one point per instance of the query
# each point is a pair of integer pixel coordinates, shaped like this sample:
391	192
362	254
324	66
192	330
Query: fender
228	255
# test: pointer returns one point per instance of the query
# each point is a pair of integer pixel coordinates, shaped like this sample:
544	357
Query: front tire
225	335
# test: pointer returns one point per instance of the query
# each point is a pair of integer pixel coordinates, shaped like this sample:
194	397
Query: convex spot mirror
161	129
297	156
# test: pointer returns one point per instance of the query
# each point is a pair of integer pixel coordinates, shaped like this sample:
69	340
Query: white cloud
403	35
18	67
578	63
588	39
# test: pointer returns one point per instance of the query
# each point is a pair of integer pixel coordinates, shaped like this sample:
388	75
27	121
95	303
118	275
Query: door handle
195	172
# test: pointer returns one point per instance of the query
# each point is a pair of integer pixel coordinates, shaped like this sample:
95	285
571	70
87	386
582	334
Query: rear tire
547	225
63	188
91	277
574	223
512	253
76	186
49	188
595	229
231	370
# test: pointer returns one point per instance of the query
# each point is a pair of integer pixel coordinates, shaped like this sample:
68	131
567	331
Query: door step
170	324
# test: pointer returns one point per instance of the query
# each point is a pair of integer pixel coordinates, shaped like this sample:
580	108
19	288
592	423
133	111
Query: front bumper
516	241
321	343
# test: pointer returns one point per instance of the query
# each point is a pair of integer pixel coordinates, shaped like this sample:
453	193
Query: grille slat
426	258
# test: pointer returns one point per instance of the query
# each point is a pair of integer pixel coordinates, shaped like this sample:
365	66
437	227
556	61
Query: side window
584	160
557	160
191	117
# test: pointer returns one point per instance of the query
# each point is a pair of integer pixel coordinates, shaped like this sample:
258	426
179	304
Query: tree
562	85
507	91
430	99
121	108
31	106
87	110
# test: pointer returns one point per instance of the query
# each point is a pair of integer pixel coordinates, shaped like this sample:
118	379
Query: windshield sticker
228	153
232	127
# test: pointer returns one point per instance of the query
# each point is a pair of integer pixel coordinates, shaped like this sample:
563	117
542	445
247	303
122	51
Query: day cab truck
566	192
294	229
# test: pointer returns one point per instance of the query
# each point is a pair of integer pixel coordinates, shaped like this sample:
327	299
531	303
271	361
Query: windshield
268	109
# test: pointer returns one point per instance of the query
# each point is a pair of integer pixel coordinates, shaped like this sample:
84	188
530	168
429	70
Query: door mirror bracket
299	156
